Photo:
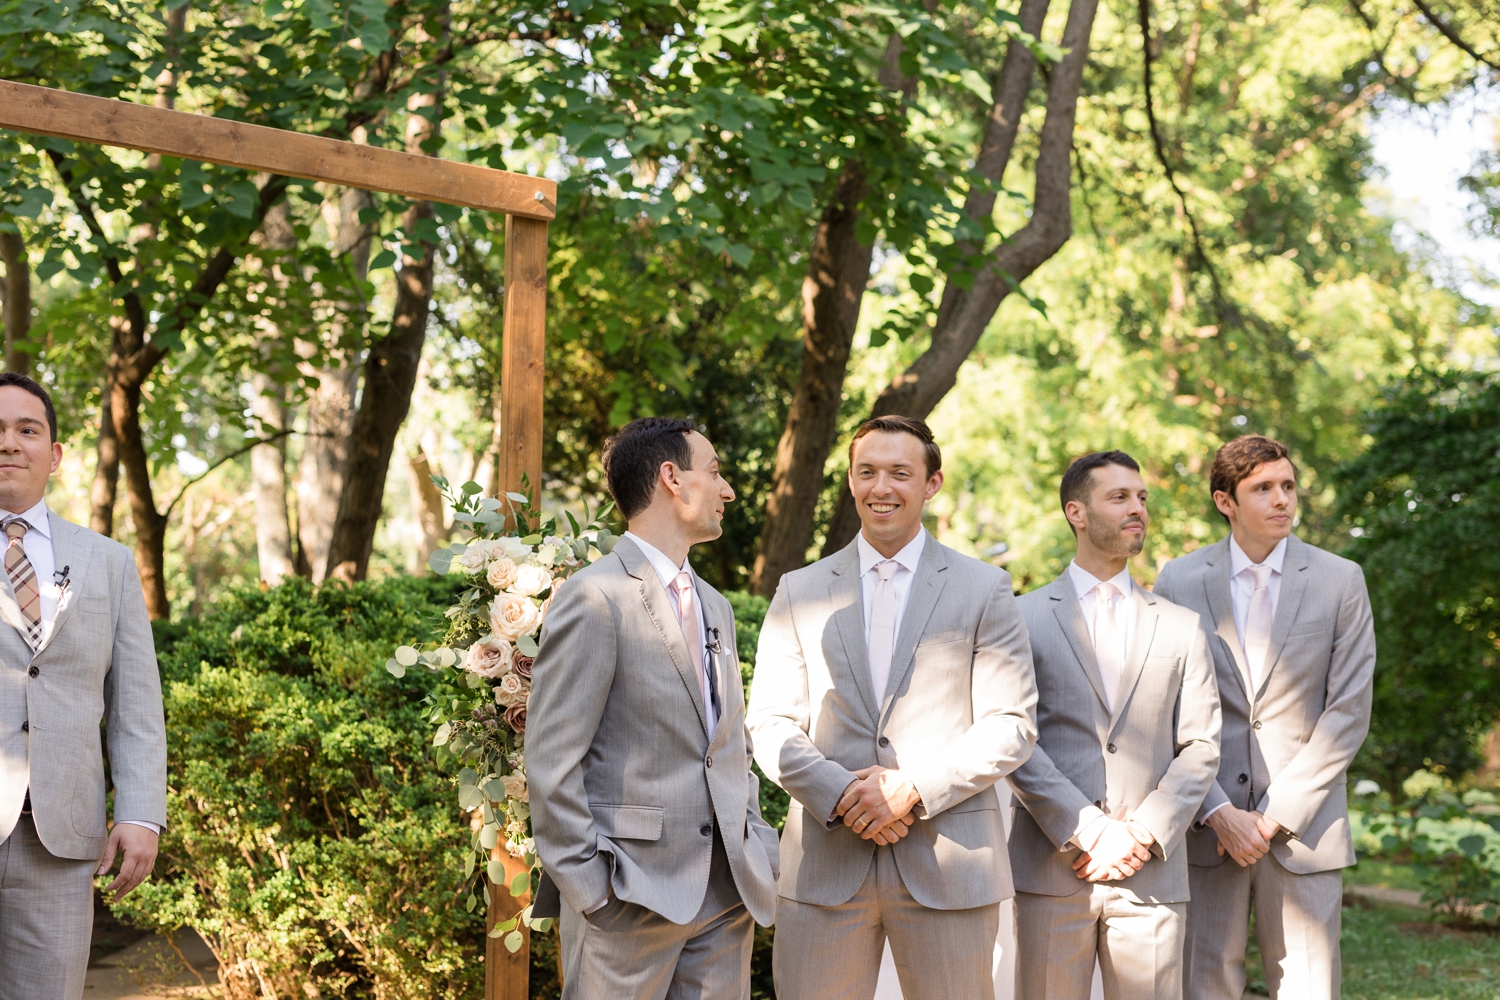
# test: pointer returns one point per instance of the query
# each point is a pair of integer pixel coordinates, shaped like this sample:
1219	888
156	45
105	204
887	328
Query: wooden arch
528	203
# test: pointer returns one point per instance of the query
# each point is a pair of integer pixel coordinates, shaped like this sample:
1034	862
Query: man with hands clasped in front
1294	648
893	687
1128	723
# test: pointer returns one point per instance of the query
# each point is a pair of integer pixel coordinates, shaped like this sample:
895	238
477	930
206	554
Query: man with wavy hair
1293	642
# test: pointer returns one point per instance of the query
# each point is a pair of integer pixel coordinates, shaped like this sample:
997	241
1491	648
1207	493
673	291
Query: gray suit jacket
1151	760
98	664
1288	753
625	786
958	715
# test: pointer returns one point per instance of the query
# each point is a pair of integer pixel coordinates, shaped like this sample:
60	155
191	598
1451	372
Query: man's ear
1225	503
668	479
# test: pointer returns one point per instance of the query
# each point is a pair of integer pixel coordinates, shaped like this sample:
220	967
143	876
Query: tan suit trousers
834	952
46	919
1138	946
625	950
1297	921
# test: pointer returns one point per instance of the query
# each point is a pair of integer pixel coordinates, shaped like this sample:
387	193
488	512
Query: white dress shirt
1084	583
38	546
906	561
1242	581
668	574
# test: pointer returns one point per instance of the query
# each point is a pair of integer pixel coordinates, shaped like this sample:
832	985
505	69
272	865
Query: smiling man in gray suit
1294	649
1129	731
645	811
893	688
75	650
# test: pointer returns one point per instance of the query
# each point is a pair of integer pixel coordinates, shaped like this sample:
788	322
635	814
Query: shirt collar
908	558
1084	582
35	518
658	560
1239	562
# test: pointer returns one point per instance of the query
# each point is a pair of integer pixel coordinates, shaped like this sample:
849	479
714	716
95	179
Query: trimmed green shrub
309	838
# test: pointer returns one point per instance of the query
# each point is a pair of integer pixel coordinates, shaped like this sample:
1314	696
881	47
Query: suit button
1110	748
34	671
708	762
1244	778
707	829
26	726
1257	724
884	742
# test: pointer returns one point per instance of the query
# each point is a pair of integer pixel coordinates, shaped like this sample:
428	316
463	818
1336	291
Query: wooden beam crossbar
81	117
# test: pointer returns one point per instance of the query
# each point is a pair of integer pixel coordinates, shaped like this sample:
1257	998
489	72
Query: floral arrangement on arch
485	655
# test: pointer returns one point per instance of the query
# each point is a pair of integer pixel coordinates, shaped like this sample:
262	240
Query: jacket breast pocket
628	822
1311	628
943	638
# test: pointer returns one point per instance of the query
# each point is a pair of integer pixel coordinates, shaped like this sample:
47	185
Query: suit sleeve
1003	693
571	681
134	721
779	717
1299	791
1059	808
1170	808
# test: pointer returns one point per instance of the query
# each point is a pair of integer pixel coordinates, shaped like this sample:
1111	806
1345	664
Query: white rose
531	580
476	555
502	573
513	616
515	787
491	657
515	550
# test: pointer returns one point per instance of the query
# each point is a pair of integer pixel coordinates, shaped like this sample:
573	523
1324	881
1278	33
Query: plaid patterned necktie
23	581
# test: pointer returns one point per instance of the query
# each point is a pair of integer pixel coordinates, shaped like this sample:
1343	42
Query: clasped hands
1122	848
1244	835
878	805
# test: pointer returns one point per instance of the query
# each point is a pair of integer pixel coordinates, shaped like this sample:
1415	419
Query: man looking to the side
645	810
893	688
75	650
1129	728
1294	650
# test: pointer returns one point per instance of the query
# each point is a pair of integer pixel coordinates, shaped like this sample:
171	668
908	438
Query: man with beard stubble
1127	746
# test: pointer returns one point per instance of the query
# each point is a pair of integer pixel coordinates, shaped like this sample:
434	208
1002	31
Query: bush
309	839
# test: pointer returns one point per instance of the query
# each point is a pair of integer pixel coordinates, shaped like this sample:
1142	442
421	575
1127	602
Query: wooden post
507	975
522	355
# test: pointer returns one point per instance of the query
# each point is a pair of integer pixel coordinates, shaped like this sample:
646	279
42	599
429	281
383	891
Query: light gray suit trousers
1286	752
97	664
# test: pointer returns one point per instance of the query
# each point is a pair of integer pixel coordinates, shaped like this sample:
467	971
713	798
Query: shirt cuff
1204	820
1088	837
140	822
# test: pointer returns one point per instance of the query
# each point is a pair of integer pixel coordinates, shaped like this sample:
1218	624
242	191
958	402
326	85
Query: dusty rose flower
515	784
513	616
531	580
510	691
476	555
522	665
490	658
501	574
515	717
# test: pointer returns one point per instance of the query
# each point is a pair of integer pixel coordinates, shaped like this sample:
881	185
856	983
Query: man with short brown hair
1294	650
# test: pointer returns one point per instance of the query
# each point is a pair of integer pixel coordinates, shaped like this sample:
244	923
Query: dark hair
32	386
1079	478
932	455
1239	458
633	457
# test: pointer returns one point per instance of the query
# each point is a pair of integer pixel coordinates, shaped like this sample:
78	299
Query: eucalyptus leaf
441	736
440	562
496	871
469	797
406	656
520	884
458	548
527	645
517	498
489	836
513	942
395	668
468	776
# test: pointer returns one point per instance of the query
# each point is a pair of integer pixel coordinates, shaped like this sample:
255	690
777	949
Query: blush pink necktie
883	627
1107	641
1258	626
687	618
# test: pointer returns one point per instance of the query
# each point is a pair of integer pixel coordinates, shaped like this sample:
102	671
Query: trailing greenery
309	838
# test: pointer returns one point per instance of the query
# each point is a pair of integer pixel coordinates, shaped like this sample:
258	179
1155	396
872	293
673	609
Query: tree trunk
17	307
330	407
964	314
150	526
390	376
427	508
105	490
273	535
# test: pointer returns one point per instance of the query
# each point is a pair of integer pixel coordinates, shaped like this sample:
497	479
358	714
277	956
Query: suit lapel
926	588
664	617
1221	606
713	616
1143	620
849	619
1070	620
74	550
1288	603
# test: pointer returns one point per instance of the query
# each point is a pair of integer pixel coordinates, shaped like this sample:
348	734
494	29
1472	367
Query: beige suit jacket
1152	759
626	787
97	664
1287	751
958	715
